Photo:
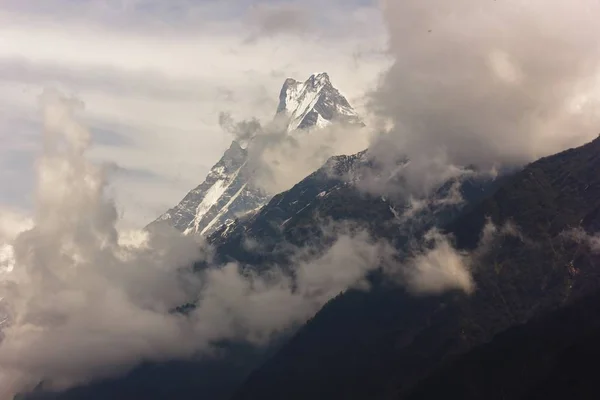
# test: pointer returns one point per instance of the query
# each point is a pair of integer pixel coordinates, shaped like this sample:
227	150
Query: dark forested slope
380	344
551	357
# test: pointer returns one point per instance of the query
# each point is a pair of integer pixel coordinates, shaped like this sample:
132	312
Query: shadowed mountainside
380	344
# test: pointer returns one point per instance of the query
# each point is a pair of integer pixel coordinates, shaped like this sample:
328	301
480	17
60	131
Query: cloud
77	296
501	82
579	235
254	307
241	131
438	268
435	266
278	159
491	233
12	223
270	19
130	15
84	301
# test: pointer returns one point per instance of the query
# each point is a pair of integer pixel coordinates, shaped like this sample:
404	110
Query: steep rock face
228	191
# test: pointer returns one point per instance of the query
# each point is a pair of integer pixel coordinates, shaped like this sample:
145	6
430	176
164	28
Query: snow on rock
314	103
210	198
226	193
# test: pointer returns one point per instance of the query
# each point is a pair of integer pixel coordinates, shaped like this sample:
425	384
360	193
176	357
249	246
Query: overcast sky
154	76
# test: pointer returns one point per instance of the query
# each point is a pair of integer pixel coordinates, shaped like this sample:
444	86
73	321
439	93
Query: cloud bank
495	82
84	302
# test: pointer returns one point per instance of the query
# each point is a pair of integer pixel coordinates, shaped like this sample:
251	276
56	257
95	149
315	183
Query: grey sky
155	75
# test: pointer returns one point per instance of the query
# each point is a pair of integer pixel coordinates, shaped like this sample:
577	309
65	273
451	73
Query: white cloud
435	265
484	83
438	268
12	223
278	160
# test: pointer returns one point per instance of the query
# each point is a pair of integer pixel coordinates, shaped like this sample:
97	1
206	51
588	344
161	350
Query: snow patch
210	199
223	210
303	208
285	222
220	170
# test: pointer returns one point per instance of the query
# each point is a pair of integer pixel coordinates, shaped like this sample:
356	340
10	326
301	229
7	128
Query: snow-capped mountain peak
314	103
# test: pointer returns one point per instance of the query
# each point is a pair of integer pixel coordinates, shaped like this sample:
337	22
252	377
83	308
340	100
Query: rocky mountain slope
546	358
228	190
382	343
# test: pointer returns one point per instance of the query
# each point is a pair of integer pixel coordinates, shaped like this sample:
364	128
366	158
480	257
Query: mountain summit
228	191
314	103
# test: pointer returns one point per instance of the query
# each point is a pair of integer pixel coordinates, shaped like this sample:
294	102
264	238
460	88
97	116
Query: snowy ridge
225	209
215	200
210	199
227	192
